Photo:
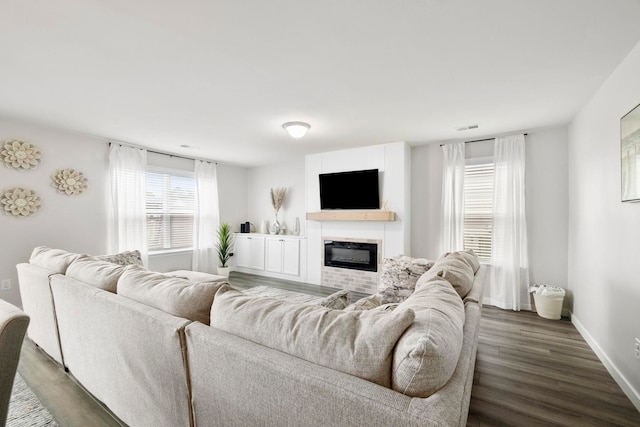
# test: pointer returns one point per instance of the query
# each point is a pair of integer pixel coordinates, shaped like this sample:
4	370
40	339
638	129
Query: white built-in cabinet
249	251
283	255
267	254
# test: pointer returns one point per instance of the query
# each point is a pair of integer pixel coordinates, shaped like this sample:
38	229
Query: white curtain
509	259
128	223
452	230
207	218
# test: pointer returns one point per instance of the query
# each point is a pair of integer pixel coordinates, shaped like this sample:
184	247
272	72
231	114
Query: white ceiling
223	75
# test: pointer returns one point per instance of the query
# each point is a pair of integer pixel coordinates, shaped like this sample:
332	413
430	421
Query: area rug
25	409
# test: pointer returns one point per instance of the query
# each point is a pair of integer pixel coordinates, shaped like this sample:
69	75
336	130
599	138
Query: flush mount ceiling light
296	129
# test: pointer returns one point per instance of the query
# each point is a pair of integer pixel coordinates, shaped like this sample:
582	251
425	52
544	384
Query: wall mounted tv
350	190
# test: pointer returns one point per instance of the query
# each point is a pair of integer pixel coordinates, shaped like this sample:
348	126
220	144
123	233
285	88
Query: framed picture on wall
630	155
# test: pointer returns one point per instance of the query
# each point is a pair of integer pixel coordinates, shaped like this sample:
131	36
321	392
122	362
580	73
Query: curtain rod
481	140
160	152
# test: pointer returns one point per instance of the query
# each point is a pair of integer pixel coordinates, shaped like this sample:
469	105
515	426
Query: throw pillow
123	258
338	300
366	303
180	297
358	343
399	277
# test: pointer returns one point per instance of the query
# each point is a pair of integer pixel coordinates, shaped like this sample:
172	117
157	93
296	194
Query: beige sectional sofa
159	350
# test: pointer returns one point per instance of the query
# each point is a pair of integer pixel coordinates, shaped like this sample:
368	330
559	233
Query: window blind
478	208
170	210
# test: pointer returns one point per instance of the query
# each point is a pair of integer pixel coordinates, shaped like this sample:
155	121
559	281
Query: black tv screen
350	190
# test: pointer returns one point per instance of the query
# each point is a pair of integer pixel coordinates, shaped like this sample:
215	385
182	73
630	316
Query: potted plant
224	247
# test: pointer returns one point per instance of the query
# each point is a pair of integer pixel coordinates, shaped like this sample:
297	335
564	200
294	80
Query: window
478	207
170	209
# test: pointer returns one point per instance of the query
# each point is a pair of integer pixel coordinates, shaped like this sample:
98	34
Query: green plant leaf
224	247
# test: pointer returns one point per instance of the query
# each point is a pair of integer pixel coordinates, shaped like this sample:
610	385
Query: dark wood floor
530	371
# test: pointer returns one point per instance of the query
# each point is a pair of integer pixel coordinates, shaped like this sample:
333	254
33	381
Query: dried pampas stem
277	198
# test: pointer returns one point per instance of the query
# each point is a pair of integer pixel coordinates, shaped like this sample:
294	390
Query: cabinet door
274	255
249	252
256	253
242	251
291	256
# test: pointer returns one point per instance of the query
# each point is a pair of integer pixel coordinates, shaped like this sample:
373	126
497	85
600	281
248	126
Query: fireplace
351	255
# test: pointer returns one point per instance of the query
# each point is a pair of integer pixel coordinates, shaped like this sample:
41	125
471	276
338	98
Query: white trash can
548	301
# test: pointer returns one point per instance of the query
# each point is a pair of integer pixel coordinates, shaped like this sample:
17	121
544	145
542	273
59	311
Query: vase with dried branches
277	199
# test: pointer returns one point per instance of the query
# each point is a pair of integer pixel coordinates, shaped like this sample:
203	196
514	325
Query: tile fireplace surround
349	279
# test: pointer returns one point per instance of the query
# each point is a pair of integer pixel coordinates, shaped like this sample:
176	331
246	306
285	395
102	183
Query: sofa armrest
37	302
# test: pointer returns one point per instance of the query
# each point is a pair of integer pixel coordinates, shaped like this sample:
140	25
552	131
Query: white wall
76	223
261	179
79	223
546	198
604	233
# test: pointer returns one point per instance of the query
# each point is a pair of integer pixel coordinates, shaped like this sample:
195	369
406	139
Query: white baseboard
626	387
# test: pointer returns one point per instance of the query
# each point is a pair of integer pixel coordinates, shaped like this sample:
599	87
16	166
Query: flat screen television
350	190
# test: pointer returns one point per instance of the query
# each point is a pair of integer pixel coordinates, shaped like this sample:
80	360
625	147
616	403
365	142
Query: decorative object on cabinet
20	202
630	155
264	227
277	200
224	247
69	181
20	155
296	227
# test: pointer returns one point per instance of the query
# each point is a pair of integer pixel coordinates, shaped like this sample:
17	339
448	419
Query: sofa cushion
358	343
173	295
455	270
427	353
196	276
366	303
337	300
123	258
399	276
101	274
56	260
468	256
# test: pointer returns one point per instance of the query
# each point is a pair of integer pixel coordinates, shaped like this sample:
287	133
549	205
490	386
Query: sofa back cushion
455	270
399	276
173	295
468	256
427	353
55	260
357	343
94	272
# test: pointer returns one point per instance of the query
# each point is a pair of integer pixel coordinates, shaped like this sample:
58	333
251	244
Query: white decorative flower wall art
69	181
20	155
20	202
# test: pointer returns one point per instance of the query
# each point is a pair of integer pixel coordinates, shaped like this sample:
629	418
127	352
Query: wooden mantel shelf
352	216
